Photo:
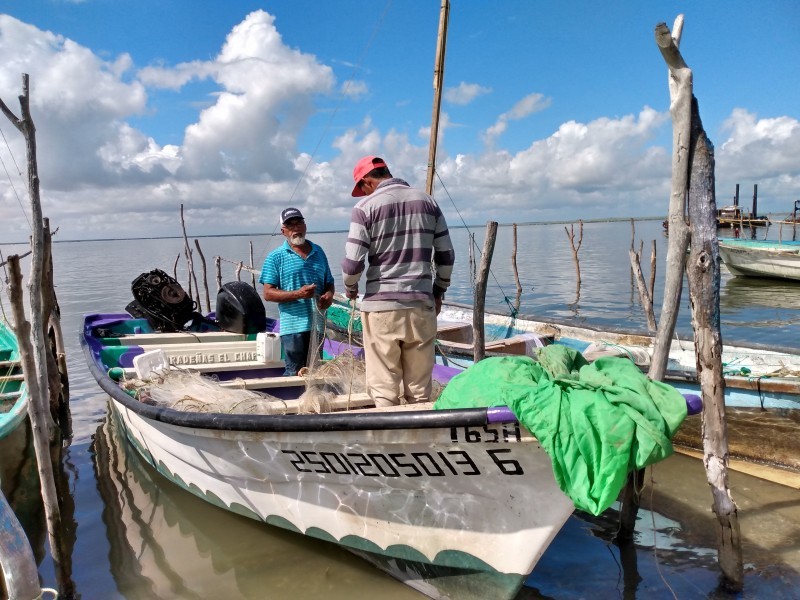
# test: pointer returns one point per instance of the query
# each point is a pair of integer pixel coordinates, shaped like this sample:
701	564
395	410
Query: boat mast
438	81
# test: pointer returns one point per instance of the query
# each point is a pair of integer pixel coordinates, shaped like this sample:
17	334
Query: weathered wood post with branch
571	237
693	174
478	335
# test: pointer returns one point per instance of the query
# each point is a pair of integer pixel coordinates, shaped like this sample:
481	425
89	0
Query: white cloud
238	163
354	88
528	105
464	93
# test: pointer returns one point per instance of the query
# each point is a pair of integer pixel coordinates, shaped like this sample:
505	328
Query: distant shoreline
176	237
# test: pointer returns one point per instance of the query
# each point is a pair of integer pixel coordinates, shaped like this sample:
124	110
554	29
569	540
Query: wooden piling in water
478	335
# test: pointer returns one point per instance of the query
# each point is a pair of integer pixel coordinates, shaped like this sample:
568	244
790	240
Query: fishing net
192	392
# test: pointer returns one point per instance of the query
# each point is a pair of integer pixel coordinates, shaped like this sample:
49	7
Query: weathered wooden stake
57	376
704	276
205	274
218	269
653	271
571	237
478	335
644	294
37	411
514	268
252	264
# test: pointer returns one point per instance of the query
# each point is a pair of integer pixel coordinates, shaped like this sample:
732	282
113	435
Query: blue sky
237	109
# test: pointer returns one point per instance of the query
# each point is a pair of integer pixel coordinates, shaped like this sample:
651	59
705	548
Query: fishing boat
13	391
762	385
442	500
456	502
761	258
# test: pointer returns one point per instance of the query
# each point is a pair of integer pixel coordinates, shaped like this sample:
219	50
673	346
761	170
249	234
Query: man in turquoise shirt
294	275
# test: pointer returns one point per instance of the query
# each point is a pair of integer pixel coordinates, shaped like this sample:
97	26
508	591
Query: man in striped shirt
293	275
400	232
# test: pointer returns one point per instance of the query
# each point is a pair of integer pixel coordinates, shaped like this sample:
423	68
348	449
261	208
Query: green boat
13	391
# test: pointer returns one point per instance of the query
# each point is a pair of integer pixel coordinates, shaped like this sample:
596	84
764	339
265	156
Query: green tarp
597	421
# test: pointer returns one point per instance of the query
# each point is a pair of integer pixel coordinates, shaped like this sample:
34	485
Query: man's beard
297	239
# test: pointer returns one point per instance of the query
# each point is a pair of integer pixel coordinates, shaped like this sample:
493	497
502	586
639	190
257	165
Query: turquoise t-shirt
287	270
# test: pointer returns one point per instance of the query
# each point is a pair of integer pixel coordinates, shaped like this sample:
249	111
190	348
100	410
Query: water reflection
166	543
739	293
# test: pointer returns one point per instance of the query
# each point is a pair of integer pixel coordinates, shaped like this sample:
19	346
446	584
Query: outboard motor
240	308
161	300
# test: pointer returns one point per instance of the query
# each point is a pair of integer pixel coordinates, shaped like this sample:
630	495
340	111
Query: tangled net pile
189	391
343	378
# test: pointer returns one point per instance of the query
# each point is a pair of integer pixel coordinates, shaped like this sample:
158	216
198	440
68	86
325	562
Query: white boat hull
482	501
754	259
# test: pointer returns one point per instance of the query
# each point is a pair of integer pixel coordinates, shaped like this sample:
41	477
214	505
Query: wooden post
571	237
57	376
704	277
37	411
205	274
472	267
438	84
514	268
253	265
653	272
478	335
680	91
194	292
218	270
644	295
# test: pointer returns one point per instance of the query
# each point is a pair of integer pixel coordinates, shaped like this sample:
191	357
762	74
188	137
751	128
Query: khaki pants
399	354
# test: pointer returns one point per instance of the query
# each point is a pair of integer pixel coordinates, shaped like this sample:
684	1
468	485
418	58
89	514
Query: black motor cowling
240	309
161	300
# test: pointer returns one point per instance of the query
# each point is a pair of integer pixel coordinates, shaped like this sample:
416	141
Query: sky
238	109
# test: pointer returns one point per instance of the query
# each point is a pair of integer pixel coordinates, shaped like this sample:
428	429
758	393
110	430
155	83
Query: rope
19	172
513	311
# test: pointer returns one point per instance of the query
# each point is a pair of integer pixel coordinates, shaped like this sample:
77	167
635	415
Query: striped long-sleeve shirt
399	231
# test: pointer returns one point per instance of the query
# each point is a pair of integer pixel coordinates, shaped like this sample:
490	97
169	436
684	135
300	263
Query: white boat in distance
761	258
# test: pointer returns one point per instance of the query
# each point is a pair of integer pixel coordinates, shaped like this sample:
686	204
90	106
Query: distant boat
758	258
13	391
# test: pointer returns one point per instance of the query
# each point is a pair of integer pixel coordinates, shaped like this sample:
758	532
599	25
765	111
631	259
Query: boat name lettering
488	434
398	464
202	358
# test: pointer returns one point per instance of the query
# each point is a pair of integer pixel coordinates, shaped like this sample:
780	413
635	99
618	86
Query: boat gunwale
624	332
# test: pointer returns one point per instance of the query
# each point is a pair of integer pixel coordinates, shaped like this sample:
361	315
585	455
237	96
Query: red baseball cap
364	166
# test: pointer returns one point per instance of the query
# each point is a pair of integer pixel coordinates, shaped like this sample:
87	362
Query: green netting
597	421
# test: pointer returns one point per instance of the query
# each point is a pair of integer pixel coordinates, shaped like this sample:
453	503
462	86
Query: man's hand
307	291
325	300
353	294
437	301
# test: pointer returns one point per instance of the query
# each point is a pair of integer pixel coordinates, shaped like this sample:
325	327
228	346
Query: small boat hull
13	391
754	258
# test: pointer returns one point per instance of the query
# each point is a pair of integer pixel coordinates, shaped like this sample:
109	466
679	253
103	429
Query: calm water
137	536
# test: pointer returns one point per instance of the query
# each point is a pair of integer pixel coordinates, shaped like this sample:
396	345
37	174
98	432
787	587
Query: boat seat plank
9	364
9	396
14	377
337	404
146	339
261	383
244	365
